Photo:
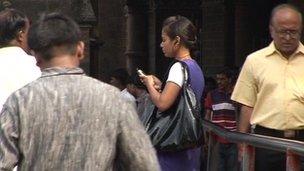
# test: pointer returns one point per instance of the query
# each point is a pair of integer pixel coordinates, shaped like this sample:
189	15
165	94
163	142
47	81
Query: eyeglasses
292	33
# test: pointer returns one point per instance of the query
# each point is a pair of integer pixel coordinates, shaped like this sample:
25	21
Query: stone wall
115	36
243	41
214	31
112	32
79	10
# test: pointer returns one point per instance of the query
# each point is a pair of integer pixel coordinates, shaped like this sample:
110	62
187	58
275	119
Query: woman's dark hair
54	33
181	26
11	23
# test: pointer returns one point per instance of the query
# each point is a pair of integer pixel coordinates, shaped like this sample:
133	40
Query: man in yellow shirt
271	87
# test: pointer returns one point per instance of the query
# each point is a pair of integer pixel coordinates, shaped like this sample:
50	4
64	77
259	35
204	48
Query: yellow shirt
274	87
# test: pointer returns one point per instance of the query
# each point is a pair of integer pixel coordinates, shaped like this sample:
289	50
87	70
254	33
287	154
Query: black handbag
179	127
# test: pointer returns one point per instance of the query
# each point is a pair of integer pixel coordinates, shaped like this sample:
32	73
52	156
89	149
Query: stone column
152	43
243	45
82	12
137	35
215	38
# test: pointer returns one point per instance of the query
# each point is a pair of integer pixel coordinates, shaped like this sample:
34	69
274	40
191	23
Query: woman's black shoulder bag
179	127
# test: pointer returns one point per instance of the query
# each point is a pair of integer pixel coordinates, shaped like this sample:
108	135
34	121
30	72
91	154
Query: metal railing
293	149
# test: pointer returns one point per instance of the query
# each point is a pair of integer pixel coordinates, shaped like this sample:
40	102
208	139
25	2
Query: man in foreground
65	120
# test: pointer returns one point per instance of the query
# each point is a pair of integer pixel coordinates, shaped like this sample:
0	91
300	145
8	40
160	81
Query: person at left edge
17	68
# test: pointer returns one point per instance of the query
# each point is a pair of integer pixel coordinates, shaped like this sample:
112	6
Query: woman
178	42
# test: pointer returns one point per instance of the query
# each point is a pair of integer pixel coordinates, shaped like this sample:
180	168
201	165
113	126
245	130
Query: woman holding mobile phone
178	42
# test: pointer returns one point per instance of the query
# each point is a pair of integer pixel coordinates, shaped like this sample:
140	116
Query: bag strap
186	73
187	80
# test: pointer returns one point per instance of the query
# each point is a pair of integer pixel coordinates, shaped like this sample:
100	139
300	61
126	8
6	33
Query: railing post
248	158
292	161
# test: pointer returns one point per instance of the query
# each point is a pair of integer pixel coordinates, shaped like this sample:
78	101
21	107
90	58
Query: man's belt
289	134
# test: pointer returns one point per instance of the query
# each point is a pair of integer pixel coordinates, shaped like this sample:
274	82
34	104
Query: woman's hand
147	80
157	83
163	99
151	81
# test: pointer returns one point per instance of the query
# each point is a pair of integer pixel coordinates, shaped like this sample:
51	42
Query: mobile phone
140	72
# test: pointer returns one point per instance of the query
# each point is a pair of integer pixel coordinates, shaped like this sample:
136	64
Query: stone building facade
126	33
80	10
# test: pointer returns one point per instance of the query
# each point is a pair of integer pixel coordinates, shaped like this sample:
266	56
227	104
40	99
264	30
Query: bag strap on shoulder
186	72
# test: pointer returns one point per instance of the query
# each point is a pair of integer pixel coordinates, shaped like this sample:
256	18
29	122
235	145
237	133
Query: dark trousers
227	157
266	159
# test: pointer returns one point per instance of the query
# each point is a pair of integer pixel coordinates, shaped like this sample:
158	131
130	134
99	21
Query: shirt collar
54	71
300	49
13	49
272	49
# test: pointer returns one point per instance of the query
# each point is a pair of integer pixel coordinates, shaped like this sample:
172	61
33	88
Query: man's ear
271	31
80	50
20	37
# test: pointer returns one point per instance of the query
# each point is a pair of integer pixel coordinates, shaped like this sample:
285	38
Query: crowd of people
54	117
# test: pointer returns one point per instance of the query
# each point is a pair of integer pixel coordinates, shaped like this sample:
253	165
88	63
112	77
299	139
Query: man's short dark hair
226	71
135	80
230	73
11	23
122	75
52	34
